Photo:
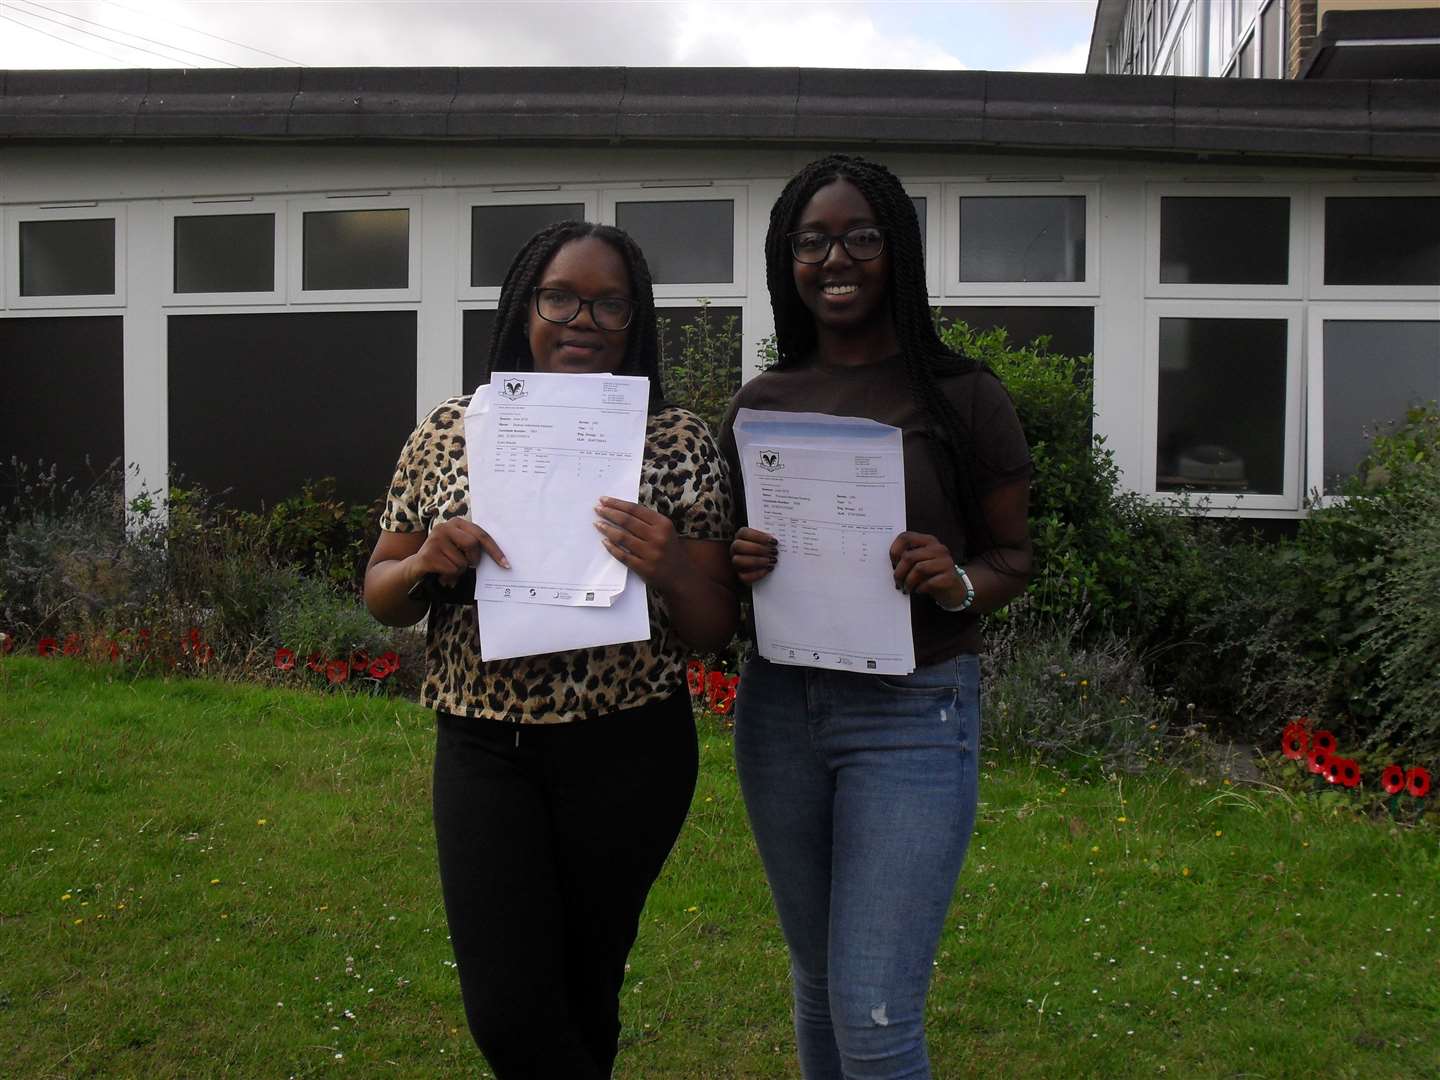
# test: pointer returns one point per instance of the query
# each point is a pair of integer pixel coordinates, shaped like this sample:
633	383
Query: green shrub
314	617
701	365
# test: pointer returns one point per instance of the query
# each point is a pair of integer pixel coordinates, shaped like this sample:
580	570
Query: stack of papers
543	448
831	490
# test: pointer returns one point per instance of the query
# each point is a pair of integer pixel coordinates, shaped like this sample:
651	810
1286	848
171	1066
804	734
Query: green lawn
204	879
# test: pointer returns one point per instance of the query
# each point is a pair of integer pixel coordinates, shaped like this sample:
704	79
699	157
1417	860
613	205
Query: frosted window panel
497	233
1022	238
225	253
357	249
1270	41
1221	422
70	257
1374	371
1382	241
686	241
1236	241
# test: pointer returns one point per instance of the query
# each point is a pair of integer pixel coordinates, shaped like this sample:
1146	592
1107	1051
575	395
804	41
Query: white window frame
1318	315
739	196
954	192
1318	289
69	212
225	208
934	196
534	197
1288	502
1293	289
295	249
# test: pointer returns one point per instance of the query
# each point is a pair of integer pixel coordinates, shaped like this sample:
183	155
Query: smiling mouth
840	290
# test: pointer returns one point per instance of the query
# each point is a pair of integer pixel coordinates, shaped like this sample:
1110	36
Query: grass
203	878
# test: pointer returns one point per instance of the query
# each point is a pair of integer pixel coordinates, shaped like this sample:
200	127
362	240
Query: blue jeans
861	791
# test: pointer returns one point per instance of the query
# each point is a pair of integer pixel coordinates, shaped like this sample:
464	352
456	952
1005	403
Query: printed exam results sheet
831	489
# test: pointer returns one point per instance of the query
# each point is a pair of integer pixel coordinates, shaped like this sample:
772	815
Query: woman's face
843	293
593	270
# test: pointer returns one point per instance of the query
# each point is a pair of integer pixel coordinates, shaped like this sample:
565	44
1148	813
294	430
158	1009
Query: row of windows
1006	240
1234	38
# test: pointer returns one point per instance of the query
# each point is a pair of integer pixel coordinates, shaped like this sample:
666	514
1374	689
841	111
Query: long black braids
924	356
509	340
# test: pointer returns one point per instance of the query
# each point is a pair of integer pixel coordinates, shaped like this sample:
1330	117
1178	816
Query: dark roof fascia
1380	122
1345	29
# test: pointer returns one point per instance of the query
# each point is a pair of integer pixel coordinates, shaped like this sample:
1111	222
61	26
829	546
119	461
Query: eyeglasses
862	243
562	306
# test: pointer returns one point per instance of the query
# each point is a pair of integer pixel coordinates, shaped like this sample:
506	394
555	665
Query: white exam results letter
831	489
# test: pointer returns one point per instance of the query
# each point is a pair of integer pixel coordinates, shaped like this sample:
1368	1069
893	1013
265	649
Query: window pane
1374	371
63	396
475	330
1022	238
1247	58
498	232
1270	41
261	403
1382	241
686	241
225	253
1238	241
357	249
67	258
920	209
1071	330
1222	405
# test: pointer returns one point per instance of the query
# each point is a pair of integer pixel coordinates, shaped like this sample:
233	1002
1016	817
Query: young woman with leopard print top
561	780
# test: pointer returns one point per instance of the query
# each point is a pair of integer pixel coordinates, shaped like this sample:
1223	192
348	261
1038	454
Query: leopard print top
683	477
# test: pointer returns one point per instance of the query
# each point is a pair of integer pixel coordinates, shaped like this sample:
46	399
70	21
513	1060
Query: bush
701	370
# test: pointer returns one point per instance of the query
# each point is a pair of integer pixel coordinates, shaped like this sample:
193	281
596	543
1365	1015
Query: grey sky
1032	35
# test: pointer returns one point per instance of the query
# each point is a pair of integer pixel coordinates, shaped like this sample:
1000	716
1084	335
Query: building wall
1220	301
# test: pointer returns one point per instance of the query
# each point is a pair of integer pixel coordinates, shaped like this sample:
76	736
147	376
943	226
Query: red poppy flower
380	669
337	671
193	635
204	652
285	659
1318	760
1295	742
46	646
359	661
1393	779
315	662
7	644
144	633
1323	740
72	645
391	657
722	703
112	650
695	676
1349	772
1417	781
1332	770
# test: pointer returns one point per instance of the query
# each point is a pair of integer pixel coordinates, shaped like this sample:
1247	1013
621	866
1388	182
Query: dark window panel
1231	241
1221	424
67	257
498	232
1022	238
63	400
686	241
219	253
476	328
1382	241
1374	371
1071	329
357	249
261	403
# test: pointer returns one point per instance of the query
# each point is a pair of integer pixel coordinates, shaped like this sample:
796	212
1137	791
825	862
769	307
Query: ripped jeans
861	790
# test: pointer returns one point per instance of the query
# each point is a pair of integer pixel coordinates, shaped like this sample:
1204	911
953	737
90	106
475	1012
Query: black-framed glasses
562	306
862	243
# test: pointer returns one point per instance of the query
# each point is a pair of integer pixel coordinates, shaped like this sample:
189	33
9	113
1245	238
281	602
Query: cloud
1072	59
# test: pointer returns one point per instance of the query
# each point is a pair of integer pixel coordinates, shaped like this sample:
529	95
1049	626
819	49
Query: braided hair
923	355
509	340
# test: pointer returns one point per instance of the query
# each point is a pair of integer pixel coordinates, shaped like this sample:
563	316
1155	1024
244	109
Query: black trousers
547	851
